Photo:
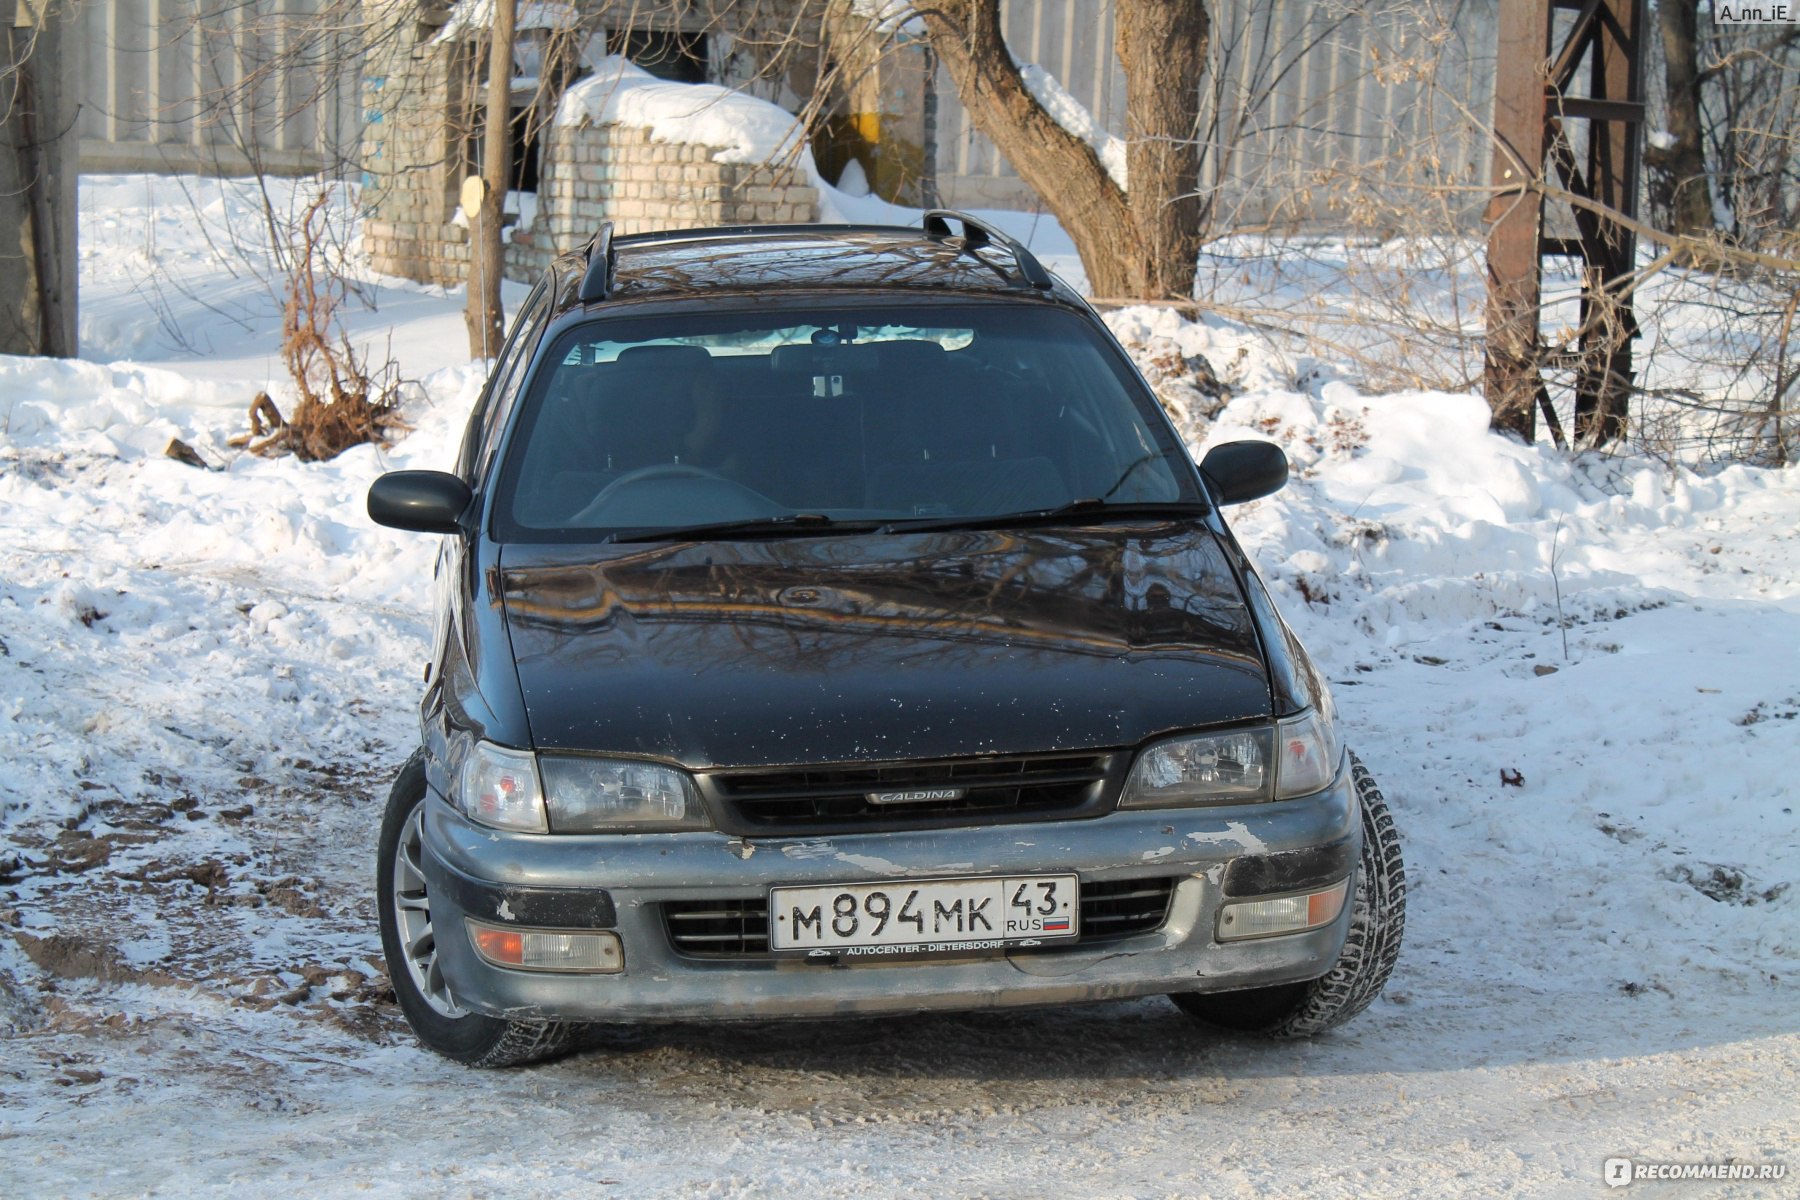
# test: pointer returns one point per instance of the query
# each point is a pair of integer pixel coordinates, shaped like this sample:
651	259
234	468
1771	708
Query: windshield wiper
786	525
1076	512
1087	510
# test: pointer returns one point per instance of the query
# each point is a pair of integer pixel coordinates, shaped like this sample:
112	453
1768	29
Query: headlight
613	795
497	786
1217	768
1295	757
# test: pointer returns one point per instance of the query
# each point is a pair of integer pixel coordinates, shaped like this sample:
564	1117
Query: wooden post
1516	216
1540	87
1604	379
482	313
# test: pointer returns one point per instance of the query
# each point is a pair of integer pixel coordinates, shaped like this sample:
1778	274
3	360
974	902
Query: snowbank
161	622
1405	509
119	411
746	130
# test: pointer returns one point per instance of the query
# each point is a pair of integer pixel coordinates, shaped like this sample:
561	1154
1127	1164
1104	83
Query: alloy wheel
412	917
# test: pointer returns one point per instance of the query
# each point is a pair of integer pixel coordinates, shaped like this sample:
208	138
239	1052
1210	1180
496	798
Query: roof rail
978	233
597	281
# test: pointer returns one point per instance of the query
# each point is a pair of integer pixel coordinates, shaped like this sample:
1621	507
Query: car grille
718	928
1121	907
835	799
1110	909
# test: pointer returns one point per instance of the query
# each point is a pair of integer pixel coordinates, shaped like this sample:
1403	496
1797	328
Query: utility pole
40	92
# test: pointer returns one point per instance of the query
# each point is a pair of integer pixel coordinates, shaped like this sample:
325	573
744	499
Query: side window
503	386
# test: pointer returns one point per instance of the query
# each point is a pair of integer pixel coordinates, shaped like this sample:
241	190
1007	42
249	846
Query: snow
525	205
746	129
208	676
469	15
853	181
1069	113
890	16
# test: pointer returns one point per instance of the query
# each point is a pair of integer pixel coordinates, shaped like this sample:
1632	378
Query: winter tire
1377	921
408	941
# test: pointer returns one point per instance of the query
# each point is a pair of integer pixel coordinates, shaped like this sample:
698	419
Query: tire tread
1377	925
1371	948
522	1042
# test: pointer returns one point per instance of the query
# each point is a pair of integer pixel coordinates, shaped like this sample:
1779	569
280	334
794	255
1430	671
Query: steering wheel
706	496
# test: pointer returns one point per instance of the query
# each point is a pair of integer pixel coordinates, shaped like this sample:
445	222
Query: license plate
924	916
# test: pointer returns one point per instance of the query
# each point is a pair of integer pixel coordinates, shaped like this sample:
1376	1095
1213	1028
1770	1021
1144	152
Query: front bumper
622	881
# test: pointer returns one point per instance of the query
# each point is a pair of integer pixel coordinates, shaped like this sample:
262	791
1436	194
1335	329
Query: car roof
676	264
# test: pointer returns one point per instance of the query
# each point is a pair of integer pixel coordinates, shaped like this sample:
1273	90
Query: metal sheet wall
218	86
1301	95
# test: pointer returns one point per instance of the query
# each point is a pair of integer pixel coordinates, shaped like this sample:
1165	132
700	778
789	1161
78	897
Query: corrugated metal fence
217	86
1303	94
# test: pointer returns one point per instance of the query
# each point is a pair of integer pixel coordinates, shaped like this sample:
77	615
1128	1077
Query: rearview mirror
420	501
1240	471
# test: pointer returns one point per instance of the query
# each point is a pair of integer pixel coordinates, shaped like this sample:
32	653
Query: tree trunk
40	91
1163	47
482	314
1142	246
1684	161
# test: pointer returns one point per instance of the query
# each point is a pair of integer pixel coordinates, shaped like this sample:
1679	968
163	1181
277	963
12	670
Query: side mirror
1240	471
420	501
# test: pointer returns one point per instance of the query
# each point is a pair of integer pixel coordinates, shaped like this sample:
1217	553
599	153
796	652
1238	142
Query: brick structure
418	93
413	161
595	173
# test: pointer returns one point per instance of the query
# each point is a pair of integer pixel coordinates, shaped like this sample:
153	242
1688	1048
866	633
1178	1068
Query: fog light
543	950
1283	914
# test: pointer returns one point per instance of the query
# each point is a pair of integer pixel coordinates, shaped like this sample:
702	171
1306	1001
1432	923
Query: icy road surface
206	678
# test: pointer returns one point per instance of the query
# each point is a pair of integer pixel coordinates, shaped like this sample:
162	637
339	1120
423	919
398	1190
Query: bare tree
1682	156
1136	240
1725	161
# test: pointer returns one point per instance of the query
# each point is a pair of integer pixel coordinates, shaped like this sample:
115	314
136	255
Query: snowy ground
206	677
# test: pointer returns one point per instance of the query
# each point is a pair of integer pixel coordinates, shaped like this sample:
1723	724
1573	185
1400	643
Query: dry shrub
341	402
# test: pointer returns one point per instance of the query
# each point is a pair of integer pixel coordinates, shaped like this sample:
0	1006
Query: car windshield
831	417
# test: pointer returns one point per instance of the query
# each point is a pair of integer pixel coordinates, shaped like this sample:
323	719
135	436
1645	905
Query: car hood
869	647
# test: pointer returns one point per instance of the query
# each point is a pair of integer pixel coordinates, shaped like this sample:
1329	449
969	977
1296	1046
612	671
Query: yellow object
474	191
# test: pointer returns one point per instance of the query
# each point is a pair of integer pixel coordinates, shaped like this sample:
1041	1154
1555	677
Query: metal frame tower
1568	146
